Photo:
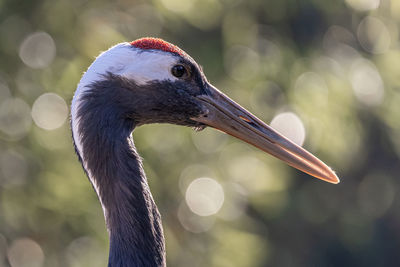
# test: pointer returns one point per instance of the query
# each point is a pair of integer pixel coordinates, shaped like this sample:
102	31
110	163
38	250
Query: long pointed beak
226	115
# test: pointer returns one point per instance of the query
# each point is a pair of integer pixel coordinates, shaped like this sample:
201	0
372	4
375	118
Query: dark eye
179	71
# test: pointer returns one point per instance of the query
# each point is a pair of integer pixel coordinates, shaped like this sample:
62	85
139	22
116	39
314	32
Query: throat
114	168
136	237
133	220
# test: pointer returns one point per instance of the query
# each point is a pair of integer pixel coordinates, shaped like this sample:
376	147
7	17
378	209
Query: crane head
152	81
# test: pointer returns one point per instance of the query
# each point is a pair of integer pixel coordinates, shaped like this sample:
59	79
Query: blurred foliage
336	64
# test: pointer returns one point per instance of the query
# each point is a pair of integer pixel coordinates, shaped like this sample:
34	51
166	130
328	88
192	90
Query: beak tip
333	178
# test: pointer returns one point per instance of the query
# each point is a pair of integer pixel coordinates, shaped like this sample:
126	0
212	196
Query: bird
145	81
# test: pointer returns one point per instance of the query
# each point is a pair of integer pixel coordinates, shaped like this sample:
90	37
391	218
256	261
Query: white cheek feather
139	65
136	64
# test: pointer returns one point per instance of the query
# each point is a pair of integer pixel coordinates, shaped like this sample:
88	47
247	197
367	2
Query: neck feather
108	155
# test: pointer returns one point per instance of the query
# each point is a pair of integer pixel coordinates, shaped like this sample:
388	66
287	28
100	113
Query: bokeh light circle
37	50
193	222
13	168
15	119
49	111
373	35
84	251
242	63
376	194
25	252
366	82
4	91
363	5
204	196
291	126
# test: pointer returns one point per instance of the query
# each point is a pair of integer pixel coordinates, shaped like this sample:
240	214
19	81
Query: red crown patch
157	44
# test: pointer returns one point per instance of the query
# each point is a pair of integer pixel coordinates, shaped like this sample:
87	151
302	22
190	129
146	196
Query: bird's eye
180	71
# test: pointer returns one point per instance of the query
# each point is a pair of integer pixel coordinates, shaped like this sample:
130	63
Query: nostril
245	119
250	122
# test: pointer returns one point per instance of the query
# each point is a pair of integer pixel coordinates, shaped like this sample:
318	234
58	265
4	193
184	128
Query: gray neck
134	223
115	170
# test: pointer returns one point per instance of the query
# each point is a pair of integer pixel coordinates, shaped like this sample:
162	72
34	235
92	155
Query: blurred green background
326	73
